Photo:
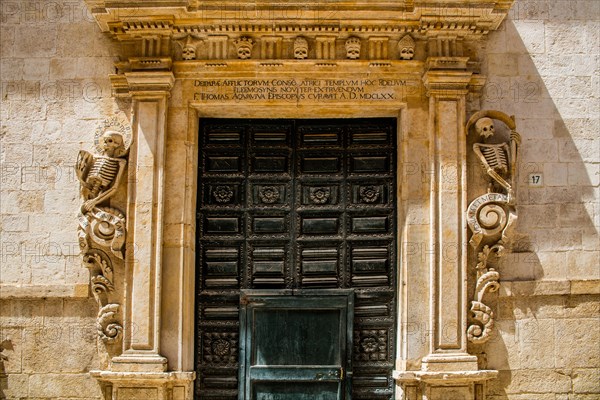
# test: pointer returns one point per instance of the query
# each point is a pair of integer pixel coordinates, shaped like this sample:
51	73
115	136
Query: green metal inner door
294	205
295	345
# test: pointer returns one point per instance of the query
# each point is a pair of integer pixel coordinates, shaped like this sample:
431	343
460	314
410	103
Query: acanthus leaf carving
491	216
109	329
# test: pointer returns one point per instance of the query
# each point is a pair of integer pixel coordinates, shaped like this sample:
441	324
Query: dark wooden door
296	204
296	344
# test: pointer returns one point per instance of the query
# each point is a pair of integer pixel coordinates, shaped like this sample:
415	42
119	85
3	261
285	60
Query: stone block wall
543	66
55	93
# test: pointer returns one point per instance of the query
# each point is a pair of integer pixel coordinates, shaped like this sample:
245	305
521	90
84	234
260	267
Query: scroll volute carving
491	216
101	228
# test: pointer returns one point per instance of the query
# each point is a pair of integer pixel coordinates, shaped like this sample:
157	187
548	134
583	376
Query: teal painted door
296	344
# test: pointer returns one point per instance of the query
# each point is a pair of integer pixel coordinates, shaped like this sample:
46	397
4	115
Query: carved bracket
491	216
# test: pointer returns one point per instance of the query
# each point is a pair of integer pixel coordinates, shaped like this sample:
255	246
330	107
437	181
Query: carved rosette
223	194
369	194
491	217
220	347
319	195
268	194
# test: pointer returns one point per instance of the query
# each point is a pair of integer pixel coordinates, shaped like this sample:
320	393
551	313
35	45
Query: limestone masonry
492	266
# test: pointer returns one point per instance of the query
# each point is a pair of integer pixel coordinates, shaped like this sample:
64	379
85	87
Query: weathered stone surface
577	342
54	385
586	381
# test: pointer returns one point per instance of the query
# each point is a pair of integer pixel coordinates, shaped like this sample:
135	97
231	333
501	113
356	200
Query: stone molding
146	385
137	17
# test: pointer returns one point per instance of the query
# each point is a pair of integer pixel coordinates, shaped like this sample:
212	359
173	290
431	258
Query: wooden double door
303	213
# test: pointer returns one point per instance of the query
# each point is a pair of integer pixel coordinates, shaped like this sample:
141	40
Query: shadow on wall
542	67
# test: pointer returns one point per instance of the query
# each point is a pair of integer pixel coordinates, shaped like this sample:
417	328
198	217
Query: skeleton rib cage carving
286	204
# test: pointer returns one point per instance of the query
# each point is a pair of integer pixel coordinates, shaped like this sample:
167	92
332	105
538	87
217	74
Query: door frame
259	296
198	111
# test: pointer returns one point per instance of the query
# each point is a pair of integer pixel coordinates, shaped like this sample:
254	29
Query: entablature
465	18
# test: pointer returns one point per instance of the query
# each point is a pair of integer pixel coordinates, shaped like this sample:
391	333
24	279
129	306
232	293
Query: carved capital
447	83
142	83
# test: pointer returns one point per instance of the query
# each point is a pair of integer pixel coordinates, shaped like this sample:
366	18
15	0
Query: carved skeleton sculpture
99	177
101	226
491	216
496	159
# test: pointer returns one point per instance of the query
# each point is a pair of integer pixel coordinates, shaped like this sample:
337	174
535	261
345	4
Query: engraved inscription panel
288	204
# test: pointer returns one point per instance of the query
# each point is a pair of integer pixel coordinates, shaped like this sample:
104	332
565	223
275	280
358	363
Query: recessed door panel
292	341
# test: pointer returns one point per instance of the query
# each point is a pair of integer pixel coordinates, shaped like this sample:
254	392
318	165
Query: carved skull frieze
189	53
244	48
353	48
406	45
300	48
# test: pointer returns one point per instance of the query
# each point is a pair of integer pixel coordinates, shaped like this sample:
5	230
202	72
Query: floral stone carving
268	194
491	216
102	226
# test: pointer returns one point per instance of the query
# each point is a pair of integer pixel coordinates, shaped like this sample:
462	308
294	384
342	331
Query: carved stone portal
492	215
102	227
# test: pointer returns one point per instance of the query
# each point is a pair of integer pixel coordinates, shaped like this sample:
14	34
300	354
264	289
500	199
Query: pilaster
447	91
447	368
141	369
141	350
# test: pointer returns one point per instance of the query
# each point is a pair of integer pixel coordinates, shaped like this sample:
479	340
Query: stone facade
541	64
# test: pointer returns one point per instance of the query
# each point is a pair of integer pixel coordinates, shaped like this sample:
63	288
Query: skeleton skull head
300	48
112	143
353	48
407	53
244	48
485	127
406	45
189	52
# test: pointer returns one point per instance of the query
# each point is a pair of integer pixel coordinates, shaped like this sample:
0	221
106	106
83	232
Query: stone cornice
429	18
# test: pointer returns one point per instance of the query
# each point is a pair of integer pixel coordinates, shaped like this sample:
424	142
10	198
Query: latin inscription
302	90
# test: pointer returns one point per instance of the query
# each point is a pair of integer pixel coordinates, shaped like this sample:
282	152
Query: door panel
288	205
294	340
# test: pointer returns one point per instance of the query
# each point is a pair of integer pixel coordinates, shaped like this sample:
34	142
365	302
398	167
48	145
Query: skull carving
112	144
300	48
485	127
407	48
244	47
189	47
353	48
189	52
